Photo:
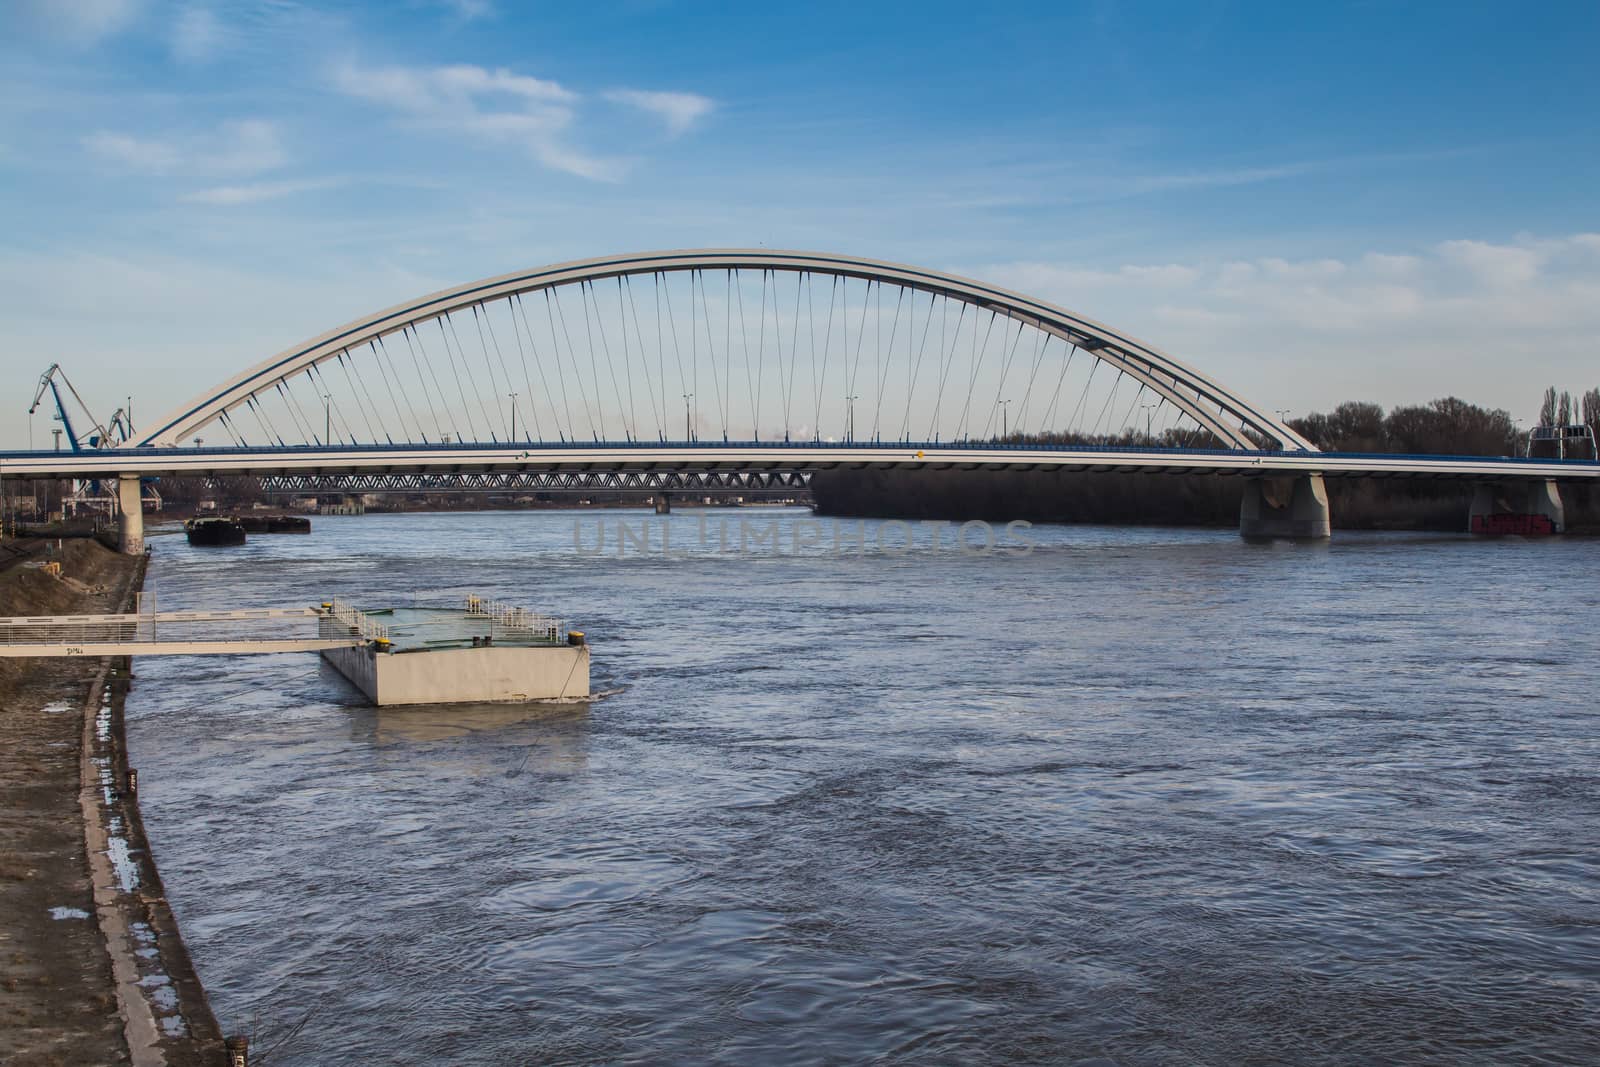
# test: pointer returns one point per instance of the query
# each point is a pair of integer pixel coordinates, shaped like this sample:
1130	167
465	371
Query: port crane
97	435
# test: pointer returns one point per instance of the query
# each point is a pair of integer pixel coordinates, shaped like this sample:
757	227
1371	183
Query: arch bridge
735	363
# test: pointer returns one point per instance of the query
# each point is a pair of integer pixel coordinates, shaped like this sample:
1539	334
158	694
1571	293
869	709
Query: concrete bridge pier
130	532
663	504
1290	508
1533	507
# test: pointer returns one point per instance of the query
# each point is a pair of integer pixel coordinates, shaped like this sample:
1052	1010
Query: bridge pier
1292	508
663	504
1516	508
130	525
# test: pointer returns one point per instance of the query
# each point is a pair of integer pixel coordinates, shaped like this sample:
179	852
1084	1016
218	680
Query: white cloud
238	147
1166	274
1382	263
1466	317
151	157
678	111
1153	183
468	10
1303	270
196	35
1194	316
444	91
498	106
255	192
1036	278
1494	265
83	23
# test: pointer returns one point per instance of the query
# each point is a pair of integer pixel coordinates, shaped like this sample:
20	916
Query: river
1133	796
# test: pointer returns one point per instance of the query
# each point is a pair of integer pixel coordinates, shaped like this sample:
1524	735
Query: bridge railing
197	626
931	447
354	620
33	631
517	621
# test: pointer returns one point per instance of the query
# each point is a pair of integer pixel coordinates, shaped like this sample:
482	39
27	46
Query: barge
479	651
276	524
214	531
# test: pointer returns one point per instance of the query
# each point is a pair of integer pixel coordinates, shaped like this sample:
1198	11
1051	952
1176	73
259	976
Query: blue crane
96	436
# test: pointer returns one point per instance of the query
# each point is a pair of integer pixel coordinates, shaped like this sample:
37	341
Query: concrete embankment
1150	499
92	969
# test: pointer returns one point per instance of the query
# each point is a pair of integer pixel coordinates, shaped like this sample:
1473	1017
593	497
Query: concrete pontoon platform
481	652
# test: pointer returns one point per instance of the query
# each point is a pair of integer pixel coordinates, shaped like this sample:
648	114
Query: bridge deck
263	646
166	633
764	455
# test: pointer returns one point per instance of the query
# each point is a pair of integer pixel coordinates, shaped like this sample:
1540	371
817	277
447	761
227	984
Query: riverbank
92	969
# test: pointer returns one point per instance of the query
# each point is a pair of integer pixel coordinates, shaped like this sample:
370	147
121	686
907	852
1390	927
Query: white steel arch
1212	406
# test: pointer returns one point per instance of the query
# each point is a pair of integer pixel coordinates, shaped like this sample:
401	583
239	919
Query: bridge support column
1517	508
663	504
1292	508
130	533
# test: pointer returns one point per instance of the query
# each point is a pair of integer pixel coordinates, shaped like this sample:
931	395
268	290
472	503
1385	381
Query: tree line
1449	426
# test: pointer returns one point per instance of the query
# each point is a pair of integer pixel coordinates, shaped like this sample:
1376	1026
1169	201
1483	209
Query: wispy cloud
197	35
468	10
255	192
678	111
82	23
241	146
146	156
498	106
1213	179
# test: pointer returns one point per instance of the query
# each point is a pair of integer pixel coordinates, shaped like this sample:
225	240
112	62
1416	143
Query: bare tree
1564	409
1547	410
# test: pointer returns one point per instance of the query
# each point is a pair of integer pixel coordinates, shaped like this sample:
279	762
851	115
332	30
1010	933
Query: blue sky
1313	202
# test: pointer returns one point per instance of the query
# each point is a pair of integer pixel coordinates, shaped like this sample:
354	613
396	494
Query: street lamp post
850	418
327	419
513	397
1005	411
688	428
1147	409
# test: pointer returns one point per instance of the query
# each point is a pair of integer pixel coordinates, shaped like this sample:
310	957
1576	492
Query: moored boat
276	524
214	531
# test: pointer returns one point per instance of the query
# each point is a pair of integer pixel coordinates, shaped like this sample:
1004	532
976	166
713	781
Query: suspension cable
886	362
972	380
711	353
381	354
572	354
330	398
1005	369
570	433
351	382
411	333
744	347
1041	347
1083	396
827	347
627	359
946	364
527	379
1056	396
644	362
